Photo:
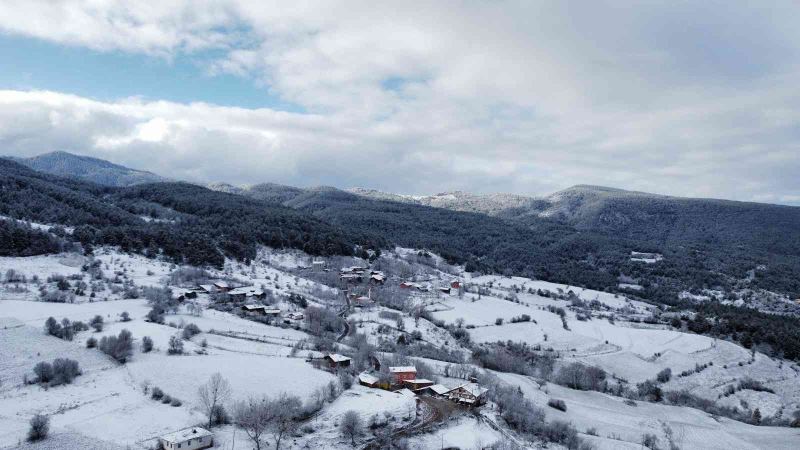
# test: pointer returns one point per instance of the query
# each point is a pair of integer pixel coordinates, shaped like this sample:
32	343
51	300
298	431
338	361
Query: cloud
417	97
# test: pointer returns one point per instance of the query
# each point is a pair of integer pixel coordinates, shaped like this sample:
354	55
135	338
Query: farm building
247	292
403	373
188	439
368	380
377	278
417	383
470	393
295	316
222	286
436	390
260	310
336	360
444	290
455	284
207	288
350	278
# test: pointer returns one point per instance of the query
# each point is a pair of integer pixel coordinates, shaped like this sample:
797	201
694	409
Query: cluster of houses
405	378
448	289
357	274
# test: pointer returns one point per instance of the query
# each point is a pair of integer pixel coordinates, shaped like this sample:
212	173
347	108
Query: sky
695	99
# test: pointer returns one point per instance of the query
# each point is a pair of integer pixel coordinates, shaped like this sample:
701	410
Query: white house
188	439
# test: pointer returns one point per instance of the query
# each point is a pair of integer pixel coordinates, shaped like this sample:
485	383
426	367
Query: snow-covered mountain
86	168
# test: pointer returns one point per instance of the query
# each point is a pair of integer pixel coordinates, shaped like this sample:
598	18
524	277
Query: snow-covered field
107	407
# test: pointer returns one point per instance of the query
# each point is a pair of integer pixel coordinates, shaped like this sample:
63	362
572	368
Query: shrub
175	345
43	371
157	393
91	342
175	402
664	376
65	370
498	321
650	441
166	399
125	317
97	323
40	425
155	315
190	331
147	344
557	404
118	347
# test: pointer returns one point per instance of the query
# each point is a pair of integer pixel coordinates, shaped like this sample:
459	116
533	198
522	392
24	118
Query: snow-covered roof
473	388
335	357
207	287
407	392
400	369
220	284
378	277
419	381
439	389
186	434
367	378
246	290
253	307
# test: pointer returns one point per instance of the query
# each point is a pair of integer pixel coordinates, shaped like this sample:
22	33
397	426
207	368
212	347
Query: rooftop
186	434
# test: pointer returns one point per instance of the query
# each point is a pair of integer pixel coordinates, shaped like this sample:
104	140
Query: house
436	390
368	380
409	285
336	360
222	286
355	270
470	393
188	439
403	373
295	316
207	288
350	278
316	265
247	292
361	301
254	310
417	383
444	290
377	279
455	284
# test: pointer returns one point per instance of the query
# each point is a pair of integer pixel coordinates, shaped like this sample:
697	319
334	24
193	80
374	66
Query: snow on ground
398	409
22	347
461	432
617	421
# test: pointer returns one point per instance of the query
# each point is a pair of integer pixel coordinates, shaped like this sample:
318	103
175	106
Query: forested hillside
188	223
86	168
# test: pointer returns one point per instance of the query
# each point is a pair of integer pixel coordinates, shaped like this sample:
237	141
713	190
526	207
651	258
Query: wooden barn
336	361
403	373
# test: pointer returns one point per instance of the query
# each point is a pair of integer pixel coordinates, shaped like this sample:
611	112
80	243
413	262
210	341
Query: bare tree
286	411
213	394
254	416
351	426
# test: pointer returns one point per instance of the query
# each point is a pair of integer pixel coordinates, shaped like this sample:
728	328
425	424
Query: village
397	351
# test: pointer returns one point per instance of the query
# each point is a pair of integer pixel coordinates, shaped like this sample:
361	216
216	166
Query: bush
91	342
155	315
40	425
97	323
147	344
175	402
557	404
157	393
190	331
65	370
43	371
166	399
125	317
664	376
175	345
118	347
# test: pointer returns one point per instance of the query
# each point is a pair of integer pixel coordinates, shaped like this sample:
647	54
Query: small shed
417	383
222	286
436	390
368	380
193	438
403	373
455	284
336	360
